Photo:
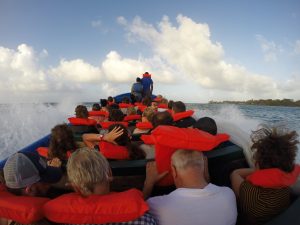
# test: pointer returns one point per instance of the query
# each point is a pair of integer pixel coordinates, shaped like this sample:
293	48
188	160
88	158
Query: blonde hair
148	113
182	159
86	168
164	101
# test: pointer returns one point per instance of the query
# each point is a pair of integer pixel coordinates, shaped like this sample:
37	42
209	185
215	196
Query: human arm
151	87
90	140
55	162
237	177
152	177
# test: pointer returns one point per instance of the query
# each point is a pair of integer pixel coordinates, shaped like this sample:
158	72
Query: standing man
147	84
137	91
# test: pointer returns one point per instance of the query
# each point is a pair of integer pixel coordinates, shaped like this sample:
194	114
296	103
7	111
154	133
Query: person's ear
28	190
174	171
110	176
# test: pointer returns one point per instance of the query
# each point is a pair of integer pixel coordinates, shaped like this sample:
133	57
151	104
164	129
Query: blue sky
197	51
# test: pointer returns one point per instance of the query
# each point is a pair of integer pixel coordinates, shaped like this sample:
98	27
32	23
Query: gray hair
86	168
183	159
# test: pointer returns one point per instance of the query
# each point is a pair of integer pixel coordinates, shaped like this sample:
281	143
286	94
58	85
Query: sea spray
22	124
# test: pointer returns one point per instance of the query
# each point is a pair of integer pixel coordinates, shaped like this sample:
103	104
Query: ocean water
22	124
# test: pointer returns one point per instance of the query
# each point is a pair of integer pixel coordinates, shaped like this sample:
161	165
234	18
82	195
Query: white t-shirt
212	205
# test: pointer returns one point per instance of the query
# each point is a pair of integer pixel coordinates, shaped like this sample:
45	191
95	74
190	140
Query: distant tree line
271	102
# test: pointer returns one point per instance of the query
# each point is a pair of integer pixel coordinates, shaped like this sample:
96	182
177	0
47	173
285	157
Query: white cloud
96	23
297	47
189	48
118	69
121	20
269	48
19	70
76	71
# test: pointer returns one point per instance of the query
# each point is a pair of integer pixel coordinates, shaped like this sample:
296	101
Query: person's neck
101	189
191	179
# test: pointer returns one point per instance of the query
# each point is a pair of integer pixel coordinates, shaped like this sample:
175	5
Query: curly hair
61	141
81	111
275	148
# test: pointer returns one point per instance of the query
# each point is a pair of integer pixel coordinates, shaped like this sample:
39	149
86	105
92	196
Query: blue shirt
146	82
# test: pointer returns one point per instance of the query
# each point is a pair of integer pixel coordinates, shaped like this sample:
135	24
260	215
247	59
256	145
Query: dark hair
113	106
170	104
110	99
124	140
126	100
115	115
96	107
275	148
81	111
138	79
178	107
146	101
61	141
206	124
162	118
103	102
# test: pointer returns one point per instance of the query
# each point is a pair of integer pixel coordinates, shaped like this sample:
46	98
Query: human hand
152	175
113	135
55	162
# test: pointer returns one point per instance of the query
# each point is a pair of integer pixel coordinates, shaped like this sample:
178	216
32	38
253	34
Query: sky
196	51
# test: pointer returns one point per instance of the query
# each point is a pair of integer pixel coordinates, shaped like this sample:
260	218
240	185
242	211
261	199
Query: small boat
224	154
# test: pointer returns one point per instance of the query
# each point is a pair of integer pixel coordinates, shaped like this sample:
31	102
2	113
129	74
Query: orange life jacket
22	209
132	117
125	105
112	151
72	208
82	121
182	115
142	107
274	177
163	106
167	139
144	125
106	124
99	113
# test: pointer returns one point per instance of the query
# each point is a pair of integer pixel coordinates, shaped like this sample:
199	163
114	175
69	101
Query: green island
269	102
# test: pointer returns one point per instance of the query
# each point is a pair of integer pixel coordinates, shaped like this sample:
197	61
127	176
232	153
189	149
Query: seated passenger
163	105
104	104
96	107
81	123
97	114
184	117
95	179
264	192
145	125
195	201
162	118
114	145
61	142
206	124
154	106
29	174
115	115
110	100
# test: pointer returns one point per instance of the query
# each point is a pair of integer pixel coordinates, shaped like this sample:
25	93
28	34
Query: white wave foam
22	124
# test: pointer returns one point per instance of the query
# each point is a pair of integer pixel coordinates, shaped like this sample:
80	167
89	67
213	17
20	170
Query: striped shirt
259	205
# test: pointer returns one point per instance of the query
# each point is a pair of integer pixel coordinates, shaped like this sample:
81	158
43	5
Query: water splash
22	124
